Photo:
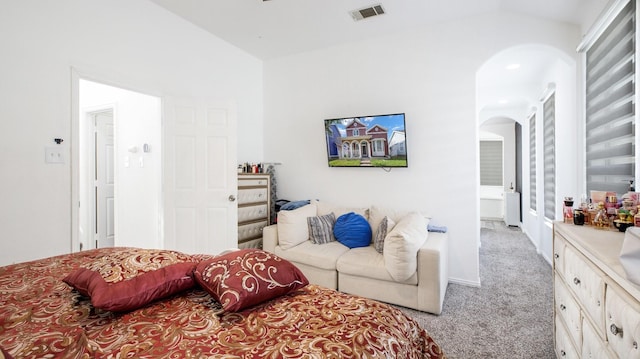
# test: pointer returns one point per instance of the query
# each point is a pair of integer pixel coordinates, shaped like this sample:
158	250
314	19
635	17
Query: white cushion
292	225
376	214
324	256
402	244
367	262
327	207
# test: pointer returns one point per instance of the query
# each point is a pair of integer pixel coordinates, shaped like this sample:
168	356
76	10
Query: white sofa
363	271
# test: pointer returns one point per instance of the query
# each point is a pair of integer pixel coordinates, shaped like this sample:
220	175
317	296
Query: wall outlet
54	155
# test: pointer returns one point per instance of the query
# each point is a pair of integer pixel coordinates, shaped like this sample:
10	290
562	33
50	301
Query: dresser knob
635	345
615	330
576	281
562	307
563	353
556	256
232	198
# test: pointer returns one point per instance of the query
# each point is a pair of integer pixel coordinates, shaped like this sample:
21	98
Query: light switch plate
54	155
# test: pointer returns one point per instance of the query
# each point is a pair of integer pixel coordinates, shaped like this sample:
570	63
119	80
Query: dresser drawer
559	243
569	311
587	283
252	195
250	231
622	322
564	346
592	346
251	213
252	182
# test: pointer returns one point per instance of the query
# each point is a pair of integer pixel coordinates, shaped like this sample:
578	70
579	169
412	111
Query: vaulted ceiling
275	28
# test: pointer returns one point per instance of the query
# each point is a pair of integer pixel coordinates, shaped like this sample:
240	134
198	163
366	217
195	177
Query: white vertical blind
532	163
491	163
549	110
610	105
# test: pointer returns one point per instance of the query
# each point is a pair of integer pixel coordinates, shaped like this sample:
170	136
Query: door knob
232	198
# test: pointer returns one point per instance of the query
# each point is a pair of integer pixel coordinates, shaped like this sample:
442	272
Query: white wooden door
104	180
200	180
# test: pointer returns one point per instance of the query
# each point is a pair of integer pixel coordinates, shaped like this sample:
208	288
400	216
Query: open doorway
118	167
499	163
97	178
510	87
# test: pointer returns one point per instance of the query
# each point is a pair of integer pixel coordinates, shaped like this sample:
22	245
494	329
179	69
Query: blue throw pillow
352	230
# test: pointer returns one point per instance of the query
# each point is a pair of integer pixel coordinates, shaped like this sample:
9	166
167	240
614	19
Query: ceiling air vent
366	12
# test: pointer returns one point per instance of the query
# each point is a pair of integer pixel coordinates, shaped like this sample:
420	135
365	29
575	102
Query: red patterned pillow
133	277
244	278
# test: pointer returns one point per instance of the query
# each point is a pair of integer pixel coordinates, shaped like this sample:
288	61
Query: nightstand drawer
252	195
252	182
250	231
250	213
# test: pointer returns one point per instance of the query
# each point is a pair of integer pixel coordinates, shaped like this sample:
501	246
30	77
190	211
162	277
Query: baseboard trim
465	282
540	253
547	259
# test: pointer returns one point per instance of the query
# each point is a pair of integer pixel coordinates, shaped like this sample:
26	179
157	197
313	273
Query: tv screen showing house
369	141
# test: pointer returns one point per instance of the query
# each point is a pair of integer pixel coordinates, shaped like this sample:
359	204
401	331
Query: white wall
568	159
132	43
430	75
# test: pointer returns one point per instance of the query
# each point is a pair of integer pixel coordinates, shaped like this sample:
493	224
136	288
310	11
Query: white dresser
596	309
254	208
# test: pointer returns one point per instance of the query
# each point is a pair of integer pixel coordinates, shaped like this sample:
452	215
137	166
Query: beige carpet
510	315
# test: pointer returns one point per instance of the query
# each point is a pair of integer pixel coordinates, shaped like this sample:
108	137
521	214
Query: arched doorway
509	87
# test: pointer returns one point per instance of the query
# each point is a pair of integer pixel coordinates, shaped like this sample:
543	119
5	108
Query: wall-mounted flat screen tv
368	141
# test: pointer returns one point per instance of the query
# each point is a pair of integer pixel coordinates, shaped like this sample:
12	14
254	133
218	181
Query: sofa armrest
433	273
270	238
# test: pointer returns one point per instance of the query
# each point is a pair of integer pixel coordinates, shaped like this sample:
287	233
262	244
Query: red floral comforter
41	316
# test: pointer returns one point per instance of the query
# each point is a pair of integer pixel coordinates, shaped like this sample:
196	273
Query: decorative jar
601	219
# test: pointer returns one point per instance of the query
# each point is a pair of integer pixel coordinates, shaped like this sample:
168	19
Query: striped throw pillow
386	225
321	228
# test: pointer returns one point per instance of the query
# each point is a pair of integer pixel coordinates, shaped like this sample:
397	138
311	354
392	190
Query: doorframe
75	161
77	74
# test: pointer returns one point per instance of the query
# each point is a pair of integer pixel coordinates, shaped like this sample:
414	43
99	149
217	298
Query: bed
42	315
